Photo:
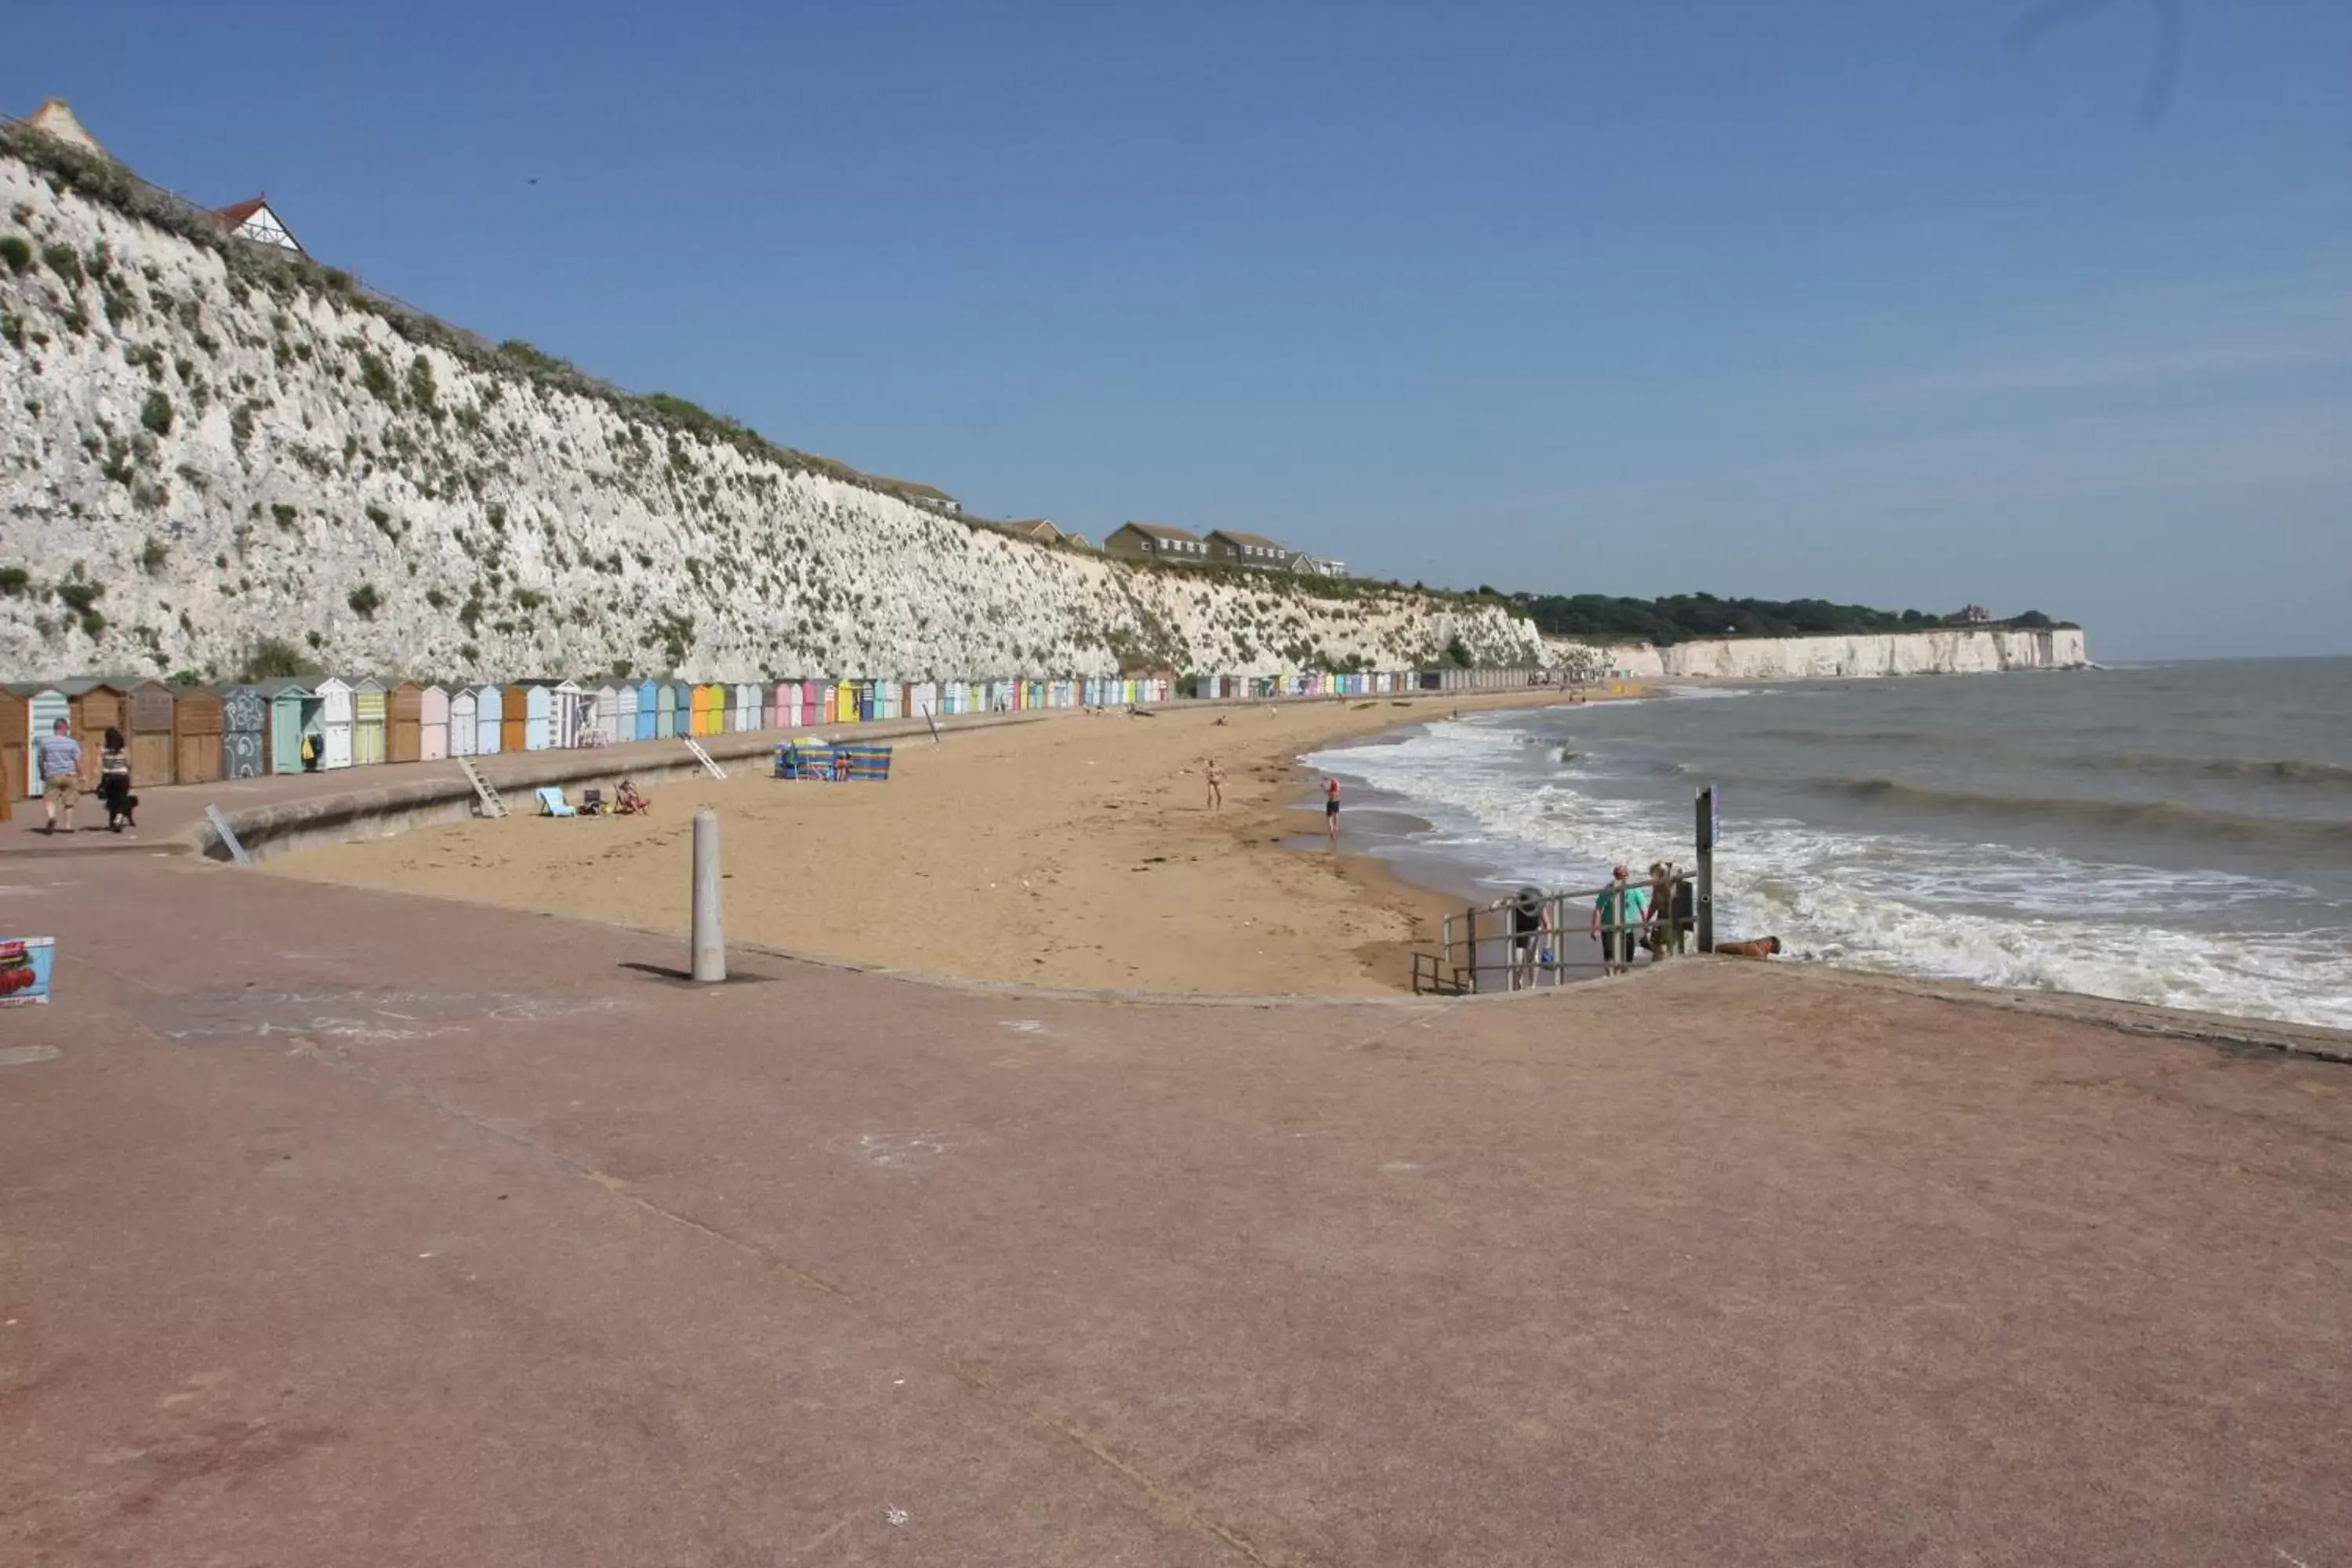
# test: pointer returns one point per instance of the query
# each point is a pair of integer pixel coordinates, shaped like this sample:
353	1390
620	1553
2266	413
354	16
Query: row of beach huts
196	735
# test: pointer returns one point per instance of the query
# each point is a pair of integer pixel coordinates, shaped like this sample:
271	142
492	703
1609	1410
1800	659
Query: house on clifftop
1156	541
252	219
1231	549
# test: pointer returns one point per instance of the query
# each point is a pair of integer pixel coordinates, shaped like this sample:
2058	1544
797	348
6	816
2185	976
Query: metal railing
1489	948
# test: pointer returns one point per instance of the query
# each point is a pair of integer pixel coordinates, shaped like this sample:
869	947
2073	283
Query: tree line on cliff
1686	617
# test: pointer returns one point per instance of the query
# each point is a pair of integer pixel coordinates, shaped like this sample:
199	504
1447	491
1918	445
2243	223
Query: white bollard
709	936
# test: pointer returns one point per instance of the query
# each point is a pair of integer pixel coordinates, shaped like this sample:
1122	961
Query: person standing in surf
1332	811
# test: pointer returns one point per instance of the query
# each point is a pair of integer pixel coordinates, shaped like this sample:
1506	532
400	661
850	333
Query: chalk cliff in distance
1954	650
197	453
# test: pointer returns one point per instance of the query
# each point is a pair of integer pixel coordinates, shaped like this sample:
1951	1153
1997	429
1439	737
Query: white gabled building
254	220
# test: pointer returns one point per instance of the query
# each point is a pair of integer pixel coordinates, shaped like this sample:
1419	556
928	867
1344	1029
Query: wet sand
1076	851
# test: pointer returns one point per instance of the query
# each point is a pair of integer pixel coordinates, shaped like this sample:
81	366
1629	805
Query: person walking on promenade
1332	811
1216	785
1618	916
115	783
58	756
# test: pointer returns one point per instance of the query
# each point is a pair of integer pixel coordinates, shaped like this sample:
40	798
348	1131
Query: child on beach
1332	811
1216	785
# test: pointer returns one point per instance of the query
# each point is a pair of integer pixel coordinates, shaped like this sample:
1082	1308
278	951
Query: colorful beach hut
432	723
514	718
751	709
370	744
616	714
489	720
93	707
245	732
147	706
335	718
706	714
16	742
574	712
44	706
404	722
294	710
648	705
197	727
538	714
465	727
665	709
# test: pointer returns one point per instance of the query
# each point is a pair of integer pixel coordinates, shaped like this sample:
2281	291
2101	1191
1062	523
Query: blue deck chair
552	799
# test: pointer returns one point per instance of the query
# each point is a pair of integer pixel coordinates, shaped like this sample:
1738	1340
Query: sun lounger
551	801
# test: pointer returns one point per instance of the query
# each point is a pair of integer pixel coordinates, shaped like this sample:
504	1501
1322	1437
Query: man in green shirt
1618	916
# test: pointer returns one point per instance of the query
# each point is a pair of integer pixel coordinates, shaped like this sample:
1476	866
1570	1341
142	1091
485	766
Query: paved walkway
350	1228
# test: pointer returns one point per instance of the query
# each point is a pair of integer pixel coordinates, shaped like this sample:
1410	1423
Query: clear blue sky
1840	299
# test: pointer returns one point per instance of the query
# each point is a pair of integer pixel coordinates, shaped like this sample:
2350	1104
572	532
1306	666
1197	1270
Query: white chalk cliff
194	458
1953	651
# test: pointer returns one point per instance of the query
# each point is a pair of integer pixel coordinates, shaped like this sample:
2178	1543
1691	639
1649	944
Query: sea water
2172	834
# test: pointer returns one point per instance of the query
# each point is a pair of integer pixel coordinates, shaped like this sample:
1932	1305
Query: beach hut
730	708
370	744
44	706
335	718
92	708
665	707
784	705
465	728
245	732
616	714
432	723
294	710
538	715
648	701
709	715
514	718
574	712
147	706
489	720
16	742
197	726
404	722
751	708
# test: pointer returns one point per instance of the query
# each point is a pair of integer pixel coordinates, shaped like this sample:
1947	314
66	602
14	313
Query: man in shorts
1332	811
59	755
1618	916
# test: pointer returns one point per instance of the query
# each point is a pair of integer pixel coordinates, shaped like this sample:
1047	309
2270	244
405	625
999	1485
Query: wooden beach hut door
198	721
489	720
44	706
648	704
464	738
514	718
751	713
538	716
665	709
148	733
97	706
404	722
370	744
16	744
784	705
335	712
710	710
432	724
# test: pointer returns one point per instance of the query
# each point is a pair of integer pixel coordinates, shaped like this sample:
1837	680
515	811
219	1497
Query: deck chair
591	801
550	798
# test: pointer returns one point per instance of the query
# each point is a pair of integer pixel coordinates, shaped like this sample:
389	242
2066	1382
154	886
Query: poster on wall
25	969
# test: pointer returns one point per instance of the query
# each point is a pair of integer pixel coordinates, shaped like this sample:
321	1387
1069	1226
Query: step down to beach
492	804
703	757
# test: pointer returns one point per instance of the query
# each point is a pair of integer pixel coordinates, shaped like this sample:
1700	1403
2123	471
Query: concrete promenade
352	1228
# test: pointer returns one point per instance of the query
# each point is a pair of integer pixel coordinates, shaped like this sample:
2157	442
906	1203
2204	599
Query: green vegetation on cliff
1683	617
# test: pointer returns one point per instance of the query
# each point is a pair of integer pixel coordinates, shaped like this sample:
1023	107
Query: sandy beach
1076	851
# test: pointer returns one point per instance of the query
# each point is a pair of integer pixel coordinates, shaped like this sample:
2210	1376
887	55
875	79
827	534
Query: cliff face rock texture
1953	651
192	461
